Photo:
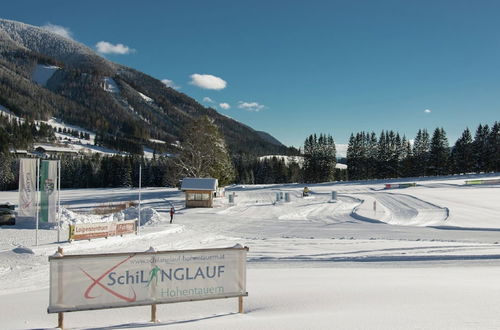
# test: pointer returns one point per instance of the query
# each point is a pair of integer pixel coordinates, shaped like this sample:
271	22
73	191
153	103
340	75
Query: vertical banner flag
48	190
27	187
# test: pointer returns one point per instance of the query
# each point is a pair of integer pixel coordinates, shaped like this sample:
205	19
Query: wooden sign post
240	305
153	314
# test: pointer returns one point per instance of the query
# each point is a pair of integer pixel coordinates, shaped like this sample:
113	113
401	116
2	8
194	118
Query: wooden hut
199	191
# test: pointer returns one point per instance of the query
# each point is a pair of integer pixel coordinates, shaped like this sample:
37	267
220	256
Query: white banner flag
84	282
27	187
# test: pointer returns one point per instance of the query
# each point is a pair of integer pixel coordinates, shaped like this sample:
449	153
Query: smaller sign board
101	229
479	181
399	185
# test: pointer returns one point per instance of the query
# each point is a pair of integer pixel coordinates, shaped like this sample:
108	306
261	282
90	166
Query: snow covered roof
199	184
51	148
18	151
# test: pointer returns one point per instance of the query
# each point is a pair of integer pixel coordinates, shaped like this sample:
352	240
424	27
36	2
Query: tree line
391	156
203	153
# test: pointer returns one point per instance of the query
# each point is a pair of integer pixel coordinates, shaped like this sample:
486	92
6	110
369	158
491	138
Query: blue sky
292	68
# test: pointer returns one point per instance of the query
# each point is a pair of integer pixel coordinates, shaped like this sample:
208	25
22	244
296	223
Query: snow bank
149	216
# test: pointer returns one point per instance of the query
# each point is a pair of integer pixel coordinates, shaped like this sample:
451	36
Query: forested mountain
118	103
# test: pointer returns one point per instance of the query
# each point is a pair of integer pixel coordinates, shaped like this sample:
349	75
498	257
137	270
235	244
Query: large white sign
85	282
27	187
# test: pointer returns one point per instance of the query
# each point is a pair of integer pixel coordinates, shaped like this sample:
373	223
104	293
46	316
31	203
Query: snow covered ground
424	257
43	73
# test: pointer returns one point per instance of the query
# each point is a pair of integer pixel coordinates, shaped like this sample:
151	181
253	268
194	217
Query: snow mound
71	218
149	216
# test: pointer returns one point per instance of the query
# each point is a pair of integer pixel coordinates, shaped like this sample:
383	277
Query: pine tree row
393	156
319	158
97	171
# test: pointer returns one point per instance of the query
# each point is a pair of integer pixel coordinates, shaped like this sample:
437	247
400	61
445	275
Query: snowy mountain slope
98	95
79	144
60	48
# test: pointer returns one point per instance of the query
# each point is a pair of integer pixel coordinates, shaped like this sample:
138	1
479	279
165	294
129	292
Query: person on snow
172	211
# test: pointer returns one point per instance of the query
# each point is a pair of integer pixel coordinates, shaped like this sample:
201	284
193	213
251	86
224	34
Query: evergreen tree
481	148
310	163
351	158
462	155
421	149
383	156
371	156
6	174
439	153
319	158
494	148
407	168
295	172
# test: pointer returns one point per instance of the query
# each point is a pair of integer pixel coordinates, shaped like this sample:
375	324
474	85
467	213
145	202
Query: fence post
60	315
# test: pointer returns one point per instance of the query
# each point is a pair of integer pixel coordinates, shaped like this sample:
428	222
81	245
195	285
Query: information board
86	282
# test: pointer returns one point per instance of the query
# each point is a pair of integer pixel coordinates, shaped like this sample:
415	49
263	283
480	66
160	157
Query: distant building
19	152
47	150
199	191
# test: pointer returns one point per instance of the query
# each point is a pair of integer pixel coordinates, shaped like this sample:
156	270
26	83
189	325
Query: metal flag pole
58	201
140	182
37	197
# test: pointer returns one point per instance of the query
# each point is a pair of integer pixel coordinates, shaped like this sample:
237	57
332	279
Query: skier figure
153	274
172	211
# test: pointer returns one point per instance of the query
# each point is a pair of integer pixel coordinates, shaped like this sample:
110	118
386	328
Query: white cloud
224	106
57	29
170	83
251	106
207	81
208	100
427	110
105	47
